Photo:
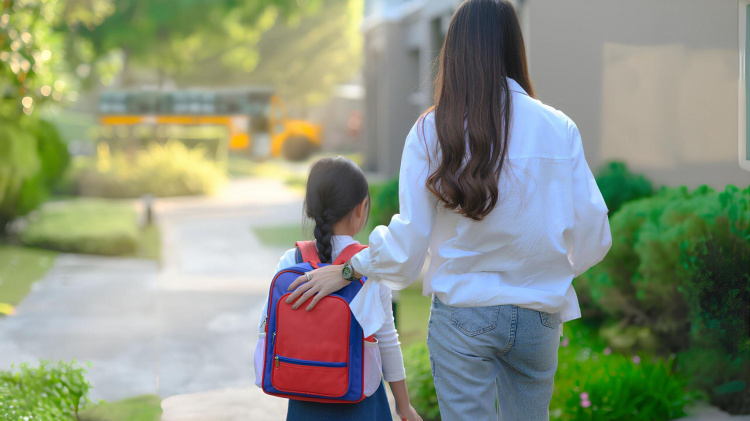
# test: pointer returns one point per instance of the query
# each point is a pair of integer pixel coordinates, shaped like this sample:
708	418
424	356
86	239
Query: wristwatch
348	272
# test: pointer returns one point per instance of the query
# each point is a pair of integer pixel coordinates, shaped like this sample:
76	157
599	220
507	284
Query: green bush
419	381
49	392
619	186
53	151
600	385
384	198
678	275
32	157
723	377
169	170
84	226
591	383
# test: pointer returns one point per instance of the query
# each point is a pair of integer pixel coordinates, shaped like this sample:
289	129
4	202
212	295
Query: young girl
337	199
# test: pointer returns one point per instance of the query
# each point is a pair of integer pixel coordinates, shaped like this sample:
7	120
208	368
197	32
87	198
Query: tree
303	58
33	72
172	36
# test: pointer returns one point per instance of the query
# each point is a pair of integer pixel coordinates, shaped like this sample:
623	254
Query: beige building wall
651	82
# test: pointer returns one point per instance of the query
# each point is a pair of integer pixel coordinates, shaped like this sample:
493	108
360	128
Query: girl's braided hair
335	186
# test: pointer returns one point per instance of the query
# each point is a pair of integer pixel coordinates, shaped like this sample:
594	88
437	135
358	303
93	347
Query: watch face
347	272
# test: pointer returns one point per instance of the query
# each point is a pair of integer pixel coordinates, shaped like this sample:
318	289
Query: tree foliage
619	186
176	36
303	57
32	72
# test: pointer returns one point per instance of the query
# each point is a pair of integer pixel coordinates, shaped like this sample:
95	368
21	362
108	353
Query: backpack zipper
306	362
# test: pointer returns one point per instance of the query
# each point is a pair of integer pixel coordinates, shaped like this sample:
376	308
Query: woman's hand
408	413
323	282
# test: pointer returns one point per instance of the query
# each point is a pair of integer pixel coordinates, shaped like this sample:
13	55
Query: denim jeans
480	354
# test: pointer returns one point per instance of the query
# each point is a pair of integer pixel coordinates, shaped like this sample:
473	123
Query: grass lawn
138	408
412	315
149	243
92	226
293	174
287	235
19	268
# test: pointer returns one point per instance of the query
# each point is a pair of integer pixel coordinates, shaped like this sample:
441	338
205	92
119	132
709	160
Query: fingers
297	282
315	300
299	291
306	296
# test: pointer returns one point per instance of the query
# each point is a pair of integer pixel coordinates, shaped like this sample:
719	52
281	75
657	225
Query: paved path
186	326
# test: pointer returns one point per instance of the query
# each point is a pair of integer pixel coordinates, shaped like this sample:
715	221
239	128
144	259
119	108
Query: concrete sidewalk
235	404
187	325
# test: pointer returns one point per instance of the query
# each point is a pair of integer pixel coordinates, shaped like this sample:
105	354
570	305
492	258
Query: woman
495	185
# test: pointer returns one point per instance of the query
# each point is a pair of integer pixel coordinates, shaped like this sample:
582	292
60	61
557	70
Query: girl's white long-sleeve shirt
386	334
549	226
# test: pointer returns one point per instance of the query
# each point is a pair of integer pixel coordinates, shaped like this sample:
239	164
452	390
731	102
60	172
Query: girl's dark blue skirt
373	408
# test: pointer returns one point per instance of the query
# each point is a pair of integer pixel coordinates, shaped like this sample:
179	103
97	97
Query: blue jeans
480	354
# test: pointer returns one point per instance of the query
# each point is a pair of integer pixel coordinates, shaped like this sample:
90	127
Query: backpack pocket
260	356
373	367
311	349
310	377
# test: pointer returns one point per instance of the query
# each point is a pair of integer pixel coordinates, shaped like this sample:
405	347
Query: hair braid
335	187
323	236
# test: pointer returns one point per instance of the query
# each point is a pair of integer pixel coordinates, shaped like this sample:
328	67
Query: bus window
208	103
180	102
194	102
142	102
166	103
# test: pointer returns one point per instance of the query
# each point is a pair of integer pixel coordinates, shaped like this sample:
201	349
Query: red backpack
319	355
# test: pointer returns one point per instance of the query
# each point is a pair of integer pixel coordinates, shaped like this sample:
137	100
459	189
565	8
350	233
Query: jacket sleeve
398	251
590	237
390	347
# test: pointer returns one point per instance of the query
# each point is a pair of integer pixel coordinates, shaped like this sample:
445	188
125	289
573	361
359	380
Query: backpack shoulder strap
308	252
348	253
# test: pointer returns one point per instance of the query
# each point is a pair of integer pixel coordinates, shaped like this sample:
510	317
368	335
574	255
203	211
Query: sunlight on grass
92	226
149	244
280	235
85	226
141	408
19	268
293	174
412	315
287	235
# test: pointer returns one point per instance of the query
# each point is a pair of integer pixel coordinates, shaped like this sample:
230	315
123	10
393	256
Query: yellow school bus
255	118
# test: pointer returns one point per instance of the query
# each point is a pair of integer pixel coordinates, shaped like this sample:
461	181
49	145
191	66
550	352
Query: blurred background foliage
53	49
222	42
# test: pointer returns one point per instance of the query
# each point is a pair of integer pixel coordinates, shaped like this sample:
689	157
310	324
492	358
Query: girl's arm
393	361
388	344
403	406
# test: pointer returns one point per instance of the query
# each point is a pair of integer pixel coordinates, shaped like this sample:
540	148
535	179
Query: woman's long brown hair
484	46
